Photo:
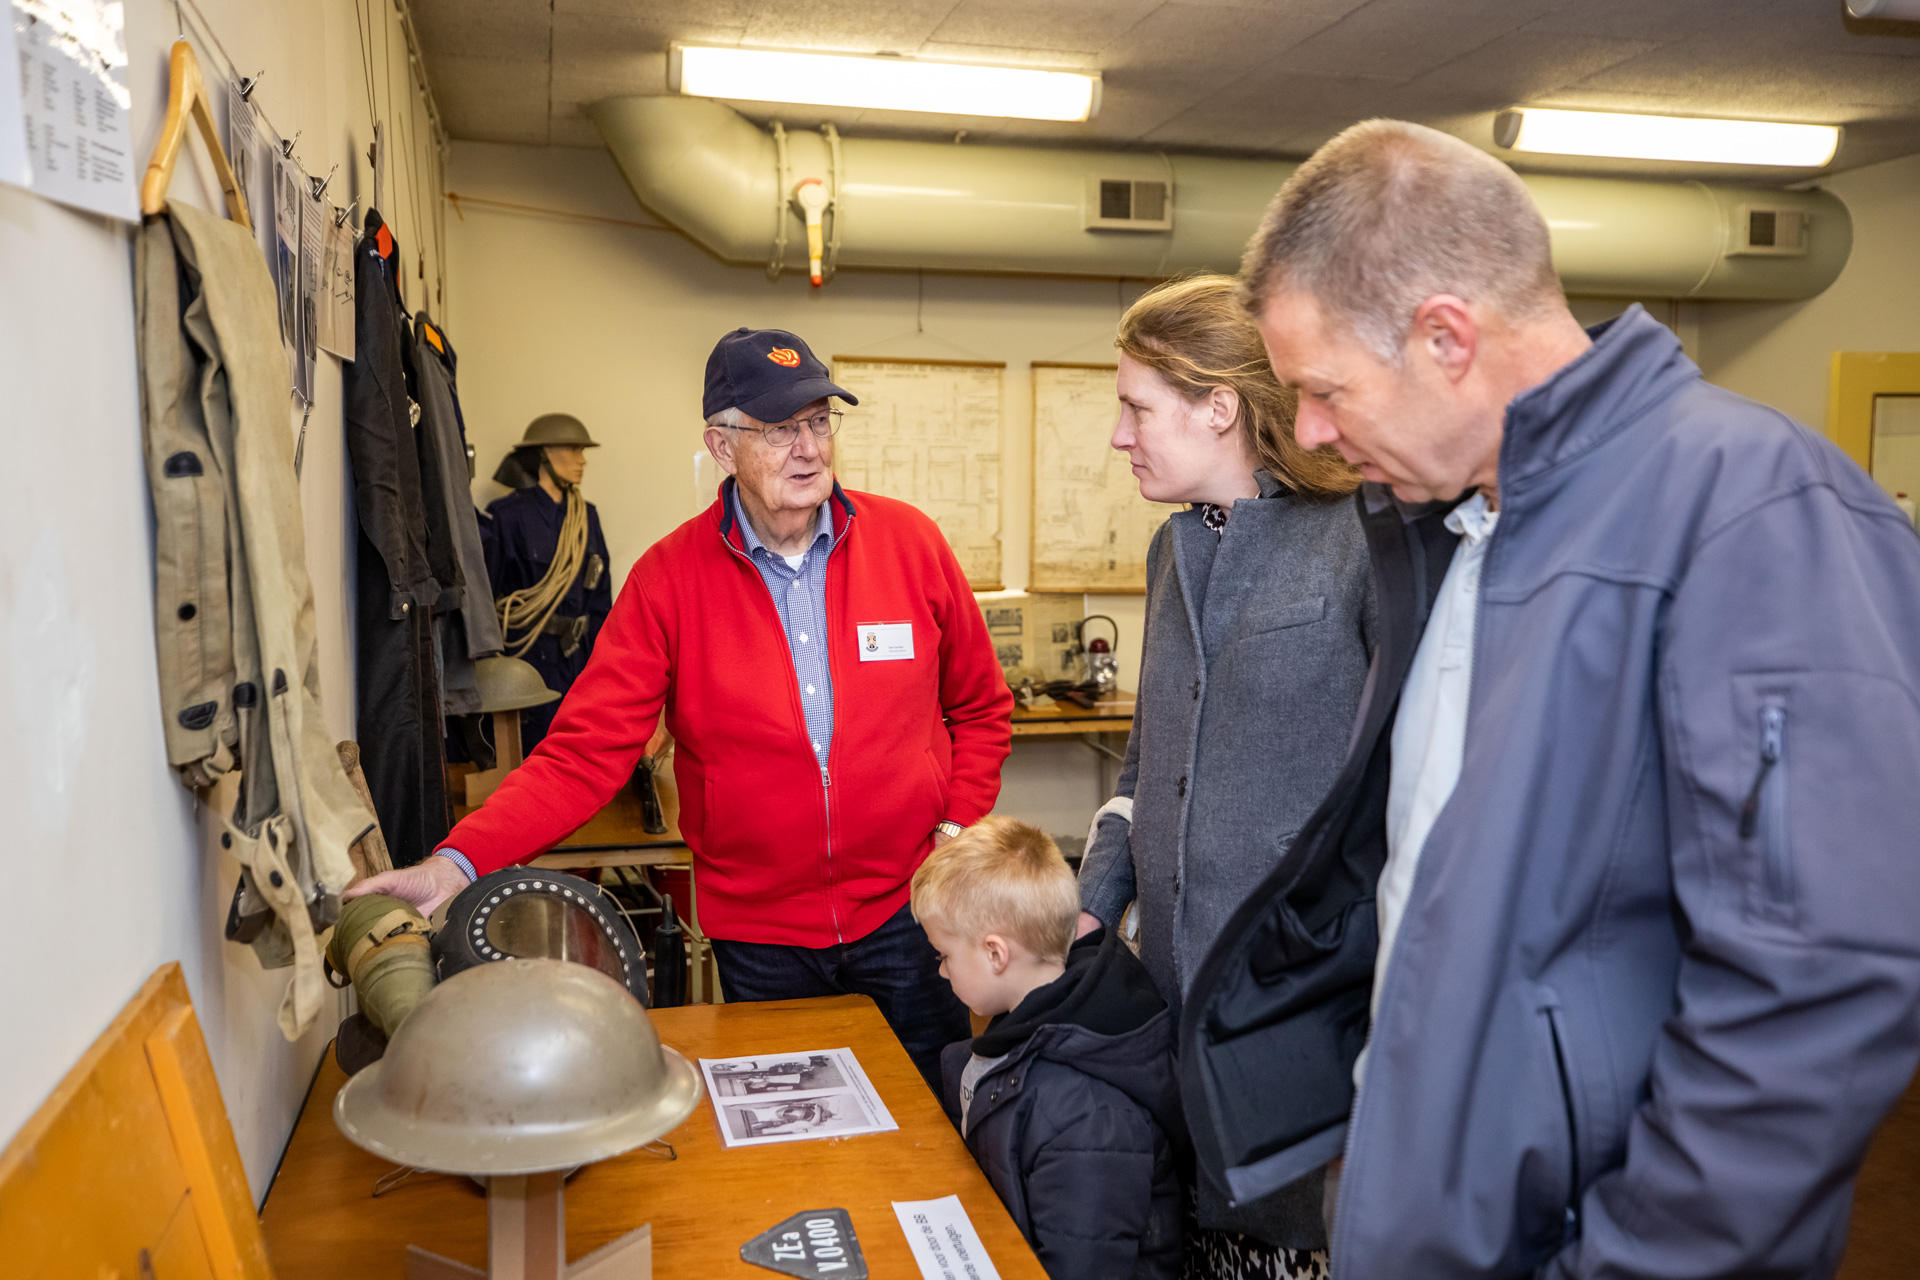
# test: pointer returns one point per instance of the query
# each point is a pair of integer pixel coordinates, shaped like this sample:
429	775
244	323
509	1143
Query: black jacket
1290	977
1079	1127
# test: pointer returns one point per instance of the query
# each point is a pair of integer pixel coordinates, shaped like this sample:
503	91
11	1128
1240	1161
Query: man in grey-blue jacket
1629	818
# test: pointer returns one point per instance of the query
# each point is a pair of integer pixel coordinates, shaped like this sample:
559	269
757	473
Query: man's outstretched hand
425	886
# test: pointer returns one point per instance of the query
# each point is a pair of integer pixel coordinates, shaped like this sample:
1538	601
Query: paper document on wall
15	167
1091	527
929	433
789	1097
251	156
75	104
313	247
336	279
286	254
943	1240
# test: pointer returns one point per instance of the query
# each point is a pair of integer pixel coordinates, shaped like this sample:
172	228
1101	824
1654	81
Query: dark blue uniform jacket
520	533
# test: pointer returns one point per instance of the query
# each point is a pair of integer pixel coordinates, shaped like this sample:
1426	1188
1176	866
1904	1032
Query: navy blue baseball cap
768	374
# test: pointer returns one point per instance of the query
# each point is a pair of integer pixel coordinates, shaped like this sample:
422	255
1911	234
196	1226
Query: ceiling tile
1042	24
1013	55
1518	67
1402	39
492	99
1764	82
899	26
507	29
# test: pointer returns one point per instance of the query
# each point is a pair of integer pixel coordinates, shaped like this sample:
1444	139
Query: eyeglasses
781	434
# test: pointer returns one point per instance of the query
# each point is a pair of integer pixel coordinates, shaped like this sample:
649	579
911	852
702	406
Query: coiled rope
540	600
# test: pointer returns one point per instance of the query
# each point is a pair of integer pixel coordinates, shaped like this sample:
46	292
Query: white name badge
884	641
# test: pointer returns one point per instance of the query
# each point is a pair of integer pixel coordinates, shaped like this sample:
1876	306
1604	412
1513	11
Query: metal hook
340	218
320	185
249	84
655	1148
286	144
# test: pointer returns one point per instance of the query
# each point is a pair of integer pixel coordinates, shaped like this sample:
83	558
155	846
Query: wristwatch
948	829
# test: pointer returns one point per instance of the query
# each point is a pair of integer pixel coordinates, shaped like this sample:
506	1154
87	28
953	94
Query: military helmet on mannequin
557	428
521	467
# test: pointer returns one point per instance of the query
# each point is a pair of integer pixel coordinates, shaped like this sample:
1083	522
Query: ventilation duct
939	206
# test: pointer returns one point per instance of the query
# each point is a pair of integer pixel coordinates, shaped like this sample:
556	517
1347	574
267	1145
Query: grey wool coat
1256	651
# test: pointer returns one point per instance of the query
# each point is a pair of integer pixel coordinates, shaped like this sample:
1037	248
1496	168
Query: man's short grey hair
1389	214
729	417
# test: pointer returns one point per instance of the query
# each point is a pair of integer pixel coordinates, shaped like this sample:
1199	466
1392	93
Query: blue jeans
895	965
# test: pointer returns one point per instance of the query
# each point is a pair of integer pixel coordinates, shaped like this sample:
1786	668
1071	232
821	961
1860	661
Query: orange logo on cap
786	357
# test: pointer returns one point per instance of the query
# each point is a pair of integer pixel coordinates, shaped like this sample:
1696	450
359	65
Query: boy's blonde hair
1001	876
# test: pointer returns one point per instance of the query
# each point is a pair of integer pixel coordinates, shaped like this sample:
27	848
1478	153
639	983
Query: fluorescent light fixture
1634	137
890	84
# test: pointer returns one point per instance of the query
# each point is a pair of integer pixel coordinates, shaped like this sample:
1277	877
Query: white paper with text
943	1240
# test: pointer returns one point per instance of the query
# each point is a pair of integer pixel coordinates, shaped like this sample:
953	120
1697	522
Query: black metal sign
816	1245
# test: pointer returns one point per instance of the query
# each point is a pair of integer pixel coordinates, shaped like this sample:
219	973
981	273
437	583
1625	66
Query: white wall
1780	353
613	323
111	871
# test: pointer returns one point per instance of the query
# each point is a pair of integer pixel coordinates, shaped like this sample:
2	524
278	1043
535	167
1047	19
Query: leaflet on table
790	1097
943	1240
75	105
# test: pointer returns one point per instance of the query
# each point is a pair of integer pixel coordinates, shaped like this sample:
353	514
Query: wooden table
1109	715
321	1221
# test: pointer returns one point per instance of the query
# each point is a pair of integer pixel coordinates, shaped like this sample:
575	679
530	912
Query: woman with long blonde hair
1258	617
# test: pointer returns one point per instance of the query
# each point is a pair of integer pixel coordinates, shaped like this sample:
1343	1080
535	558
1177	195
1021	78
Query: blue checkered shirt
801	597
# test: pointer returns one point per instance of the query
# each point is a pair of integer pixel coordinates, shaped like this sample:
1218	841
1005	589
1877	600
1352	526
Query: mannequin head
566	462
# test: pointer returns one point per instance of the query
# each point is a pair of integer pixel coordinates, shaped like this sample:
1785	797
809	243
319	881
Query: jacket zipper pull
826	779
1772	729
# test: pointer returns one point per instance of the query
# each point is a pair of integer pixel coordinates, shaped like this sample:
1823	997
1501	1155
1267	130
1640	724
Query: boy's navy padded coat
1079	1131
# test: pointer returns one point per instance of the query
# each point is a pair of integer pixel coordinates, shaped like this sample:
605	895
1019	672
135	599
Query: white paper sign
336	278
884	641
943	1240
790	1097
74	100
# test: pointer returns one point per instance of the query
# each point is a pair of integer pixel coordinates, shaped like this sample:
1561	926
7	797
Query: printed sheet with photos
791	1097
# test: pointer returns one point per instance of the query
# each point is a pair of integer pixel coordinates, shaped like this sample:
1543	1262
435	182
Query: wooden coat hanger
186	95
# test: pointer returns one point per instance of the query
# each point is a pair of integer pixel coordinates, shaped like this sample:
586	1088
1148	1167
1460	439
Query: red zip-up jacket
784	851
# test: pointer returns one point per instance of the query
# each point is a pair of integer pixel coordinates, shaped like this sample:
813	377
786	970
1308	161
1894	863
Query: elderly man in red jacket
835	702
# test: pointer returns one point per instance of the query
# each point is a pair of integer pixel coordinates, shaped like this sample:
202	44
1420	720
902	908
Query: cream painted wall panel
1780	353
111	858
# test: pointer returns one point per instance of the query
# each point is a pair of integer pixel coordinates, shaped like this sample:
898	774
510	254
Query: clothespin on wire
249	83
320	185
340	218
286	144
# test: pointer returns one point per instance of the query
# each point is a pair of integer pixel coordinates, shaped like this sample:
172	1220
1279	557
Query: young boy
1067	1099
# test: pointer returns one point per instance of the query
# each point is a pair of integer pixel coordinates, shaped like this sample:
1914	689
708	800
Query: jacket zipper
826	777
1570	1228
1773	741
